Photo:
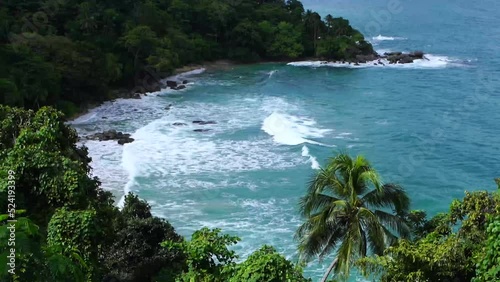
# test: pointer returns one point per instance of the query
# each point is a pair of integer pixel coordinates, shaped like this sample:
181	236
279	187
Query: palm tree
343	213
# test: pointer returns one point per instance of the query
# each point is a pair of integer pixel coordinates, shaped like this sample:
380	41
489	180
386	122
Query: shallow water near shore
434	129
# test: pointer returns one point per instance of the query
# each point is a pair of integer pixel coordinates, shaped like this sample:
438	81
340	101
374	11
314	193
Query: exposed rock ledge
390	58
112	134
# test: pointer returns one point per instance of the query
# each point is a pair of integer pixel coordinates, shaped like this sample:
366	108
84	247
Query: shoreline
225	65
207	66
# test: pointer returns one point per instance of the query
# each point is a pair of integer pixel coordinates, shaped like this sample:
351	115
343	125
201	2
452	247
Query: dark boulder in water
112	134
405	60
400	59
417	54
388	54
185	82
365	58
179	124
180	87
125	140
171	83
202	122
202	130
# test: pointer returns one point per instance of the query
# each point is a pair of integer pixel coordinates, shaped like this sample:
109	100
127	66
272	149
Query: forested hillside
68	53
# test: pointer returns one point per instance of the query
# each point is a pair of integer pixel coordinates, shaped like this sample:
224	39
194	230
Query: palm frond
326	181
313	202
388	195
394	222
376	234
321	231
347	251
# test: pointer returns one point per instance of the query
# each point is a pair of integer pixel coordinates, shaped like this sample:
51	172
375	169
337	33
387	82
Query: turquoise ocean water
432	126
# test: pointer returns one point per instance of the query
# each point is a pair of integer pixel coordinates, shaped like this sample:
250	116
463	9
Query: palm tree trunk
334	263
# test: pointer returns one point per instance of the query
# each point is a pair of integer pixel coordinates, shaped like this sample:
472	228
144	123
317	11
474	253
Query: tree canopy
70	53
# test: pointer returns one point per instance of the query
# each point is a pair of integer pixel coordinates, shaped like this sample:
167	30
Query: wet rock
179	124
201	130
168	107
417	54
365	58
388	54
202	122
171	83
111	135
405	60
180	87
125	140
400	59
185	82
136	96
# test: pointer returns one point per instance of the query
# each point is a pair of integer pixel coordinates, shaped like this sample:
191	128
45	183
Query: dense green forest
67	53
68	229
57	224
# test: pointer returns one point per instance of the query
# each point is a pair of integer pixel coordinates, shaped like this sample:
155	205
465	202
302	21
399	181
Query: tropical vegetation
72	53
58	56
348	211
68	228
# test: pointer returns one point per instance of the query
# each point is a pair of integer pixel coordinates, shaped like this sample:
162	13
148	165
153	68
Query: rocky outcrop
417	54
365	58
125	140
390	57
112	134
176	85
172	84
403	58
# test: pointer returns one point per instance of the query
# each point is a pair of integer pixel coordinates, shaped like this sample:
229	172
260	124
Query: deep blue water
433	127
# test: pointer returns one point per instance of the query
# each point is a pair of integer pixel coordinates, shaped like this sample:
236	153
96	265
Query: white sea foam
312	159
271	73
186	74
292	130
386	38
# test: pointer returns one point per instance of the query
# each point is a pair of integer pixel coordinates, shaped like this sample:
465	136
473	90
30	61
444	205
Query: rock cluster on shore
154	87
112	134
403	58
391	57
386	58
198	122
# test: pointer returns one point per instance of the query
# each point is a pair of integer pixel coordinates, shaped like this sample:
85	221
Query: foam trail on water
312	159
381	37
129	159
291	130
271	73
185	74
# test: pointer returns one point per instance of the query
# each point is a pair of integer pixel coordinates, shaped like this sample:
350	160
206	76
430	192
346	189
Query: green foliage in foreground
344	211
266	265
70	53
68	229
456	246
